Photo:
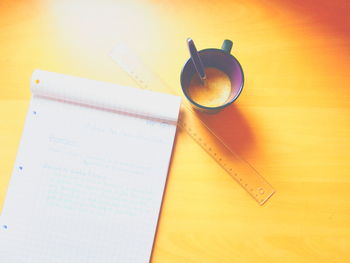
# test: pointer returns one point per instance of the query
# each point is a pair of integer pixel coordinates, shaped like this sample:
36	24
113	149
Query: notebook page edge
105	95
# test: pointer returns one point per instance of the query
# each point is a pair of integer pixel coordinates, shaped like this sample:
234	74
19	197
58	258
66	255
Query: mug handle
227	46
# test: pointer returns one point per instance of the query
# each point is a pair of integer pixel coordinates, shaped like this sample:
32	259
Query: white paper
105	95
88	183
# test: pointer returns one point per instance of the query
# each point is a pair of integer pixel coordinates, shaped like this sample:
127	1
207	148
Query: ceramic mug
222	60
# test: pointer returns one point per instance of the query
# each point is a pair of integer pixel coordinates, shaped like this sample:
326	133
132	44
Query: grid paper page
87	186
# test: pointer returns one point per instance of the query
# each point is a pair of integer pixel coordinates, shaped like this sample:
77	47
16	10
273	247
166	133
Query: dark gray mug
222	60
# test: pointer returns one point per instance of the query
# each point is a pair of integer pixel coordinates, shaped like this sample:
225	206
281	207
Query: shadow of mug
232	127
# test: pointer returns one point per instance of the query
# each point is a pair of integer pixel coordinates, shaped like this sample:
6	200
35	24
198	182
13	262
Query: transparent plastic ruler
226	157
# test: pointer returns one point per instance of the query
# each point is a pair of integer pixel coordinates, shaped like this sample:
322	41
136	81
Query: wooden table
292	122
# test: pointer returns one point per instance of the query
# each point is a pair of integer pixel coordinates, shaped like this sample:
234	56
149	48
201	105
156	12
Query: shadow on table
232	127
331	15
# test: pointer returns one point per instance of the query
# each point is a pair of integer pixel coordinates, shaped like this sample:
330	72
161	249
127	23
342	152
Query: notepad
90	173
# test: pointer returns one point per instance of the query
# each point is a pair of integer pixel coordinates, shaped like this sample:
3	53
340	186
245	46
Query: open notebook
90	172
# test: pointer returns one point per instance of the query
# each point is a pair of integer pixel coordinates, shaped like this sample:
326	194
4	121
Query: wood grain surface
292	121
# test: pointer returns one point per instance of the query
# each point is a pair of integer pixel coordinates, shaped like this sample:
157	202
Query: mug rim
229	102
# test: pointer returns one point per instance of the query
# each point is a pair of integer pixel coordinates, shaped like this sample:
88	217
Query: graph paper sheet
90	172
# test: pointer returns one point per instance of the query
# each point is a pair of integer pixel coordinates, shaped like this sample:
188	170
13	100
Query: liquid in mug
215	92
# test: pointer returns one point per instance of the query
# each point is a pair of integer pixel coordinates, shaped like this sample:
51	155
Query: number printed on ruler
225	156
